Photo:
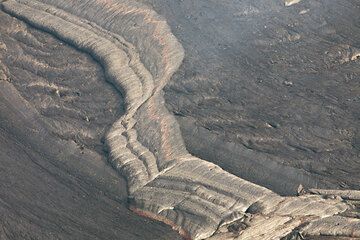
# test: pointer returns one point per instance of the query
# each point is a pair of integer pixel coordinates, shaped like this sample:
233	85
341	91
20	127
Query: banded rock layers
139	54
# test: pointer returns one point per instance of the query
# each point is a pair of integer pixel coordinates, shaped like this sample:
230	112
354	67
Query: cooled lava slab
270	92
55	107
139	54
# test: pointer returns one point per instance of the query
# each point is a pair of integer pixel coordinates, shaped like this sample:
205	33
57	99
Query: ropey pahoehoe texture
139	54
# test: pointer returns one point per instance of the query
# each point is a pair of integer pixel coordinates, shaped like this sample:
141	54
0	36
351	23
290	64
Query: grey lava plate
255	154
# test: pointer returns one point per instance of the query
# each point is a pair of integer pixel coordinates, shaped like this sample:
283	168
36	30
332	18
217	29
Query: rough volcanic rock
270	93
54	180
139	54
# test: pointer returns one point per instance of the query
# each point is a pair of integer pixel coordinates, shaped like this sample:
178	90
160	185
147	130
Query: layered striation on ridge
139	54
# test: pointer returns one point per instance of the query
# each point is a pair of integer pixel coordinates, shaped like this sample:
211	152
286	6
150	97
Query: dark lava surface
54	179
270	93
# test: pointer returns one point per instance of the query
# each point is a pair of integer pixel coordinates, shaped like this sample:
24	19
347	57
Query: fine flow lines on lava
139	54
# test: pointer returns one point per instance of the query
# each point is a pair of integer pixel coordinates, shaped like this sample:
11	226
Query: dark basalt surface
55	182
270	93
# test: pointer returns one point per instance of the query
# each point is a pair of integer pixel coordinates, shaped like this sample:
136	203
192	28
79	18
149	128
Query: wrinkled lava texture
269	93
55	182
